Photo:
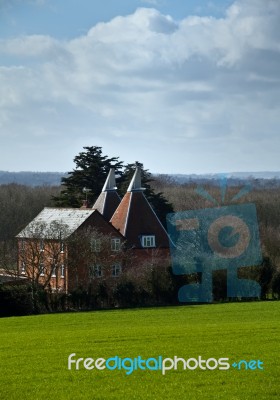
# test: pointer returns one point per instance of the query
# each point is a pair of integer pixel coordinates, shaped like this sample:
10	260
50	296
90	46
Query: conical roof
136	181
108	200
110	183
135	218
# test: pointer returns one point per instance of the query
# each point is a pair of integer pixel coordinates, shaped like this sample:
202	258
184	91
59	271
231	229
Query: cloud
204	85
31	46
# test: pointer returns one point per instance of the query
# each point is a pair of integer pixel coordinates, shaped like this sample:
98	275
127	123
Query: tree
20	204
8	258
92	168
157	200
42	257
276	285
92	254
94	262
266	274
15	300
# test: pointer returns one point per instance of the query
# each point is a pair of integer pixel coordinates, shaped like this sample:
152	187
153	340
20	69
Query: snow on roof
54	223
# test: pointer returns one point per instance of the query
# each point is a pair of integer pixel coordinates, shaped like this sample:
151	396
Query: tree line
19	204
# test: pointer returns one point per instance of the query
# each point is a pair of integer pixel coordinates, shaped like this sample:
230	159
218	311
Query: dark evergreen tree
157	200
276	285
266	274
88	178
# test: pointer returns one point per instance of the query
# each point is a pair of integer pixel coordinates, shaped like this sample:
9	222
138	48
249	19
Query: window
22	245
115	244
148	241
23	269
41	269
95	245
95	271
41	245
116	270
62	271
61	247
53	271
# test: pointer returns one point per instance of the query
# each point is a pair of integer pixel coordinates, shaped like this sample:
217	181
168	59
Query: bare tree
42	255
8	261
94	256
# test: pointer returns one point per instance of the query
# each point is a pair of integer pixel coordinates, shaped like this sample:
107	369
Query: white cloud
200	84
31	46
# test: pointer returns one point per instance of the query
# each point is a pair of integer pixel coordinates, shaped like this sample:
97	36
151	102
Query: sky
183	86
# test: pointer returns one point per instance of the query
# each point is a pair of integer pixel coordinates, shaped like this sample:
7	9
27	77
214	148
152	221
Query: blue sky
182	86
71	18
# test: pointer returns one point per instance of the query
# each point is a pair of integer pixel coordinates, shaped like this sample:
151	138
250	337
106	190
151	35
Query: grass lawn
34	352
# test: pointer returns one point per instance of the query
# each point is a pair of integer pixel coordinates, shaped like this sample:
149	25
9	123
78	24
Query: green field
34	353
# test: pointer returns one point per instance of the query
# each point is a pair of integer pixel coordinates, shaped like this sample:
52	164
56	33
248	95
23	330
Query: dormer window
148	241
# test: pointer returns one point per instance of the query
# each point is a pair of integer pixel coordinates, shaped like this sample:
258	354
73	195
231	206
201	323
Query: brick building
136	220
47	245
63	248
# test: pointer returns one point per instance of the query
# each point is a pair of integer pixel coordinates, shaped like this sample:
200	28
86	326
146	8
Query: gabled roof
55	223
108	200
135	217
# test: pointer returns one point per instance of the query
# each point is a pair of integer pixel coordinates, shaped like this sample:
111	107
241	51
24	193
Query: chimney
85	205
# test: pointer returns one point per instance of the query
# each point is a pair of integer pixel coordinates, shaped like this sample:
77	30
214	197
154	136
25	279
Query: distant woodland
33	178
30	178
19	204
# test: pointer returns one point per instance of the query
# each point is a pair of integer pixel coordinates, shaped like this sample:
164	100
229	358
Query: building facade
66	248
61	247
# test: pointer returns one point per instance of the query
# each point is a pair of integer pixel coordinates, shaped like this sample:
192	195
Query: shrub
15	300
